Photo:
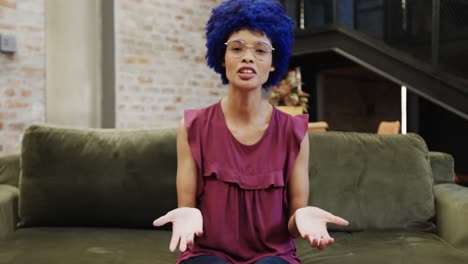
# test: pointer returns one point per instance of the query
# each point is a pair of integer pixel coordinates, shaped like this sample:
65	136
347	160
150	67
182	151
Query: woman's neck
246	106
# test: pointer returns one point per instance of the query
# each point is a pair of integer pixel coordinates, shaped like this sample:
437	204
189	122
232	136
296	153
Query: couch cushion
96	177
383	248
87	245
373	181
9	170
108	245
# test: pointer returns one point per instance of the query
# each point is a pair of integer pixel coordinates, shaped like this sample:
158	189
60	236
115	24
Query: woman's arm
298	187
187	221
186	170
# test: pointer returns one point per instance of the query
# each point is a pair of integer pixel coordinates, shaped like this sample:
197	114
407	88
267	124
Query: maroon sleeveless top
242	189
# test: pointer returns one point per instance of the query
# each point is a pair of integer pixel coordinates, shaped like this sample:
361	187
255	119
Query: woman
242	175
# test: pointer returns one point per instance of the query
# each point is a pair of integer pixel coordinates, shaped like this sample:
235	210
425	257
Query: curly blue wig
267	16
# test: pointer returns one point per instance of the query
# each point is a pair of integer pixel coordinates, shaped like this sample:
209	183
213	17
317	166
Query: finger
164	219
174	240
327	240
322	243
313	241
322	246
316	241
330	241
199	233
183	243
338	220
319	242
190	239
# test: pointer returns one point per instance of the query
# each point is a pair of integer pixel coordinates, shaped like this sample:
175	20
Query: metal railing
434	31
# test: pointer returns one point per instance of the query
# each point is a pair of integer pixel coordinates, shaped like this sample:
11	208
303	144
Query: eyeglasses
261	50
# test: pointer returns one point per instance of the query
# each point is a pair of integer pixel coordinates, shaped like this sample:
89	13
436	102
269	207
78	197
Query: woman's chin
246	84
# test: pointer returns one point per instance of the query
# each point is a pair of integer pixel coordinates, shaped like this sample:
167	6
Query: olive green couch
90	196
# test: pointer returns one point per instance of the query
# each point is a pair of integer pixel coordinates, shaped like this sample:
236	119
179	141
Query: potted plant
288	95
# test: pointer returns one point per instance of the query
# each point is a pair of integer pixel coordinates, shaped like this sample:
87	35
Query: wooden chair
389	128
318	126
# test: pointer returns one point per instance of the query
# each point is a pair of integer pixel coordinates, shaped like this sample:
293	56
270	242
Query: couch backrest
374	181
96	177
9	170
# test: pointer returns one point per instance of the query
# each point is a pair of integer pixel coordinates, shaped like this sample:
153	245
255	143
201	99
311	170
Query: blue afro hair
267	16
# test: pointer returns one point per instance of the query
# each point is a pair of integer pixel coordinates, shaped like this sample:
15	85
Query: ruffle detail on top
193	134
246	181
300	127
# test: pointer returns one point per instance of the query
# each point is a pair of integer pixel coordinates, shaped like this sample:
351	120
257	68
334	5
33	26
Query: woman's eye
261	51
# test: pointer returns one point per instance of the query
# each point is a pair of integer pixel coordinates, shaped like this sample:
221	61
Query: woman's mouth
246	73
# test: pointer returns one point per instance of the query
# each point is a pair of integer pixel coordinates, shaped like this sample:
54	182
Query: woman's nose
248	56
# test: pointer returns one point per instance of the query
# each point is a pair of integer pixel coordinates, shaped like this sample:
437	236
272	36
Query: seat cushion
139	246
383	247
376	182
87	245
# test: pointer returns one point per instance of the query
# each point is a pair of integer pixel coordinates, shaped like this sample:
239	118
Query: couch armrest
451	214
442	167
10	170
8	209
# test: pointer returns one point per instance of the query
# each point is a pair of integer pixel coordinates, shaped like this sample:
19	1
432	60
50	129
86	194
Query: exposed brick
7	27
22	71
169	108
130	60
26	93
14	82
161	63
143	60
143	79
30	72
9	92
200	59
16	104
16	126
7	115
8	4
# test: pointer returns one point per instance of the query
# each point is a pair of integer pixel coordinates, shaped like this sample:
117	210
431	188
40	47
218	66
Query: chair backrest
389	127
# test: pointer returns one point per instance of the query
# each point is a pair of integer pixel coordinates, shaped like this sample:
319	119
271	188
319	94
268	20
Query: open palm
186	223
312	222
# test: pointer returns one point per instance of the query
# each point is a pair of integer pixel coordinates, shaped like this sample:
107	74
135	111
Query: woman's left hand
312	222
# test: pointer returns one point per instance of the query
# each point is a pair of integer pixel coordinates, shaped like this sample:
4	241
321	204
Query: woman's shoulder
286	120
289	127
201	115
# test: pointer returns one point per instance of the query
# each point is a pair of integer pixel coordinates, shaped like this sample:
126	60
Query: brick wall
160	64
22	75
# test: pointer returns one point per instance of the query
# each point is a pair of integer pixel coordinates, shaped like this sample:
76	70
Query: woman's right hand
186	224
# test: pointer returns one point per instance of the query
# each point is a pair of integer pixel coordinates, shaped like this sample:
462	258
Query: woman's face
248	59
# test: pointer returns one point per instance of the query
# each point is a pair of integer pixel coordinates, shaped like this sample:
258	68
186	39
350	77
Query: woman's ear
272	69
